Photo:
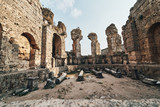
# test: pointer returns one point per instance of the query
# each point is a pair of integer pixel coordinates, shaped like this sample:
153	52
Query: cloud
75	12
64	5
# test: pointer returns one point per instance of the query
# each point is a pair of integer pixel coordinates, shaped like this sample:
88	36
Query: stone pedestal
32	83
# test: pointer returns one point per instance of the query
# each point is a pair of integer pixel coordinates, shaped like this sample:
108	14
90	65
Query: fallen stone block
26	91
18	91
114	73
49	84
98	74
81	76
149	81
158	83
61	78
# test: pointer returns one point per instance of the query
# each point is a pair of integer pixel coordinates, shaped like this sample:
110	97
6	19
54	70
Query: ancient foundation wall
12	81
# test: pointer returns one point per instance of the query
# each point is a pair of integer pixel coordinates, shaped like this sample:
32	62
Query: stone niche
76	35
95	46
114	40
24	48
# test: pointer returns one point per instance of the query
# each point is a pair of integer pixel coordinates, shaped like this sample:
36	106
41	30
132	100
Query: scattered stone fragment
81	76
61	78
149	81
49	84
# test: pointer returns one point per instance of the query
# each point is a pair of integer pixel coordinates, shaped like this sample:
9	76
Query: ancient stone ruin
32	49
76	35
95	46
114	40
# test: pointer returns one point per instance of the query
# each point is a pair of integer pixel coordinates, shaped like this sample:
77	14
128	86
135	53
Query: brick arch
56	45
154	42
33	48
1	29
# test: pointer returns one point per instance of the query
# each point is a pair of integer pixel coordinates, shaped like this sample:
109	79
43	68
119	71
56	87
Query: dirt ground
106	88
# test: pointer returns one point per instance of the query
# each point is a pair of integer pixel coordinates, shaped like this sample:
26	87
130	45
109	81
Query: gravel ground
92	92
84	103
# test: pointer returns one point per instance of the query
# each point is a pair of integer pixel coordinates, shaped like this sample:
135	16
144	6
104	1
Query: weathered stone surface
76	35
19	18
48	15
114	40
28	35
17	80
95	46
141	32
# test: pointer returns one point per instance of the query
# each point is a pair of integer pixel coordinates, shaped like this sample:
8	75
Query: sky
89	16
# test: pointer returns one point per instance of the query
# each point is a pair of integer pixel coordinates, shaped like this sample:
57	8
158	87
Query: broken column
95	46
76	35
114	40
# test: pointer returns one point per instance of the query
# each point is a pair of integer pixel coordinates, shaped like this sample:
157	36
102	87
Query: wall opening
56	46
0	35
154	42
29	48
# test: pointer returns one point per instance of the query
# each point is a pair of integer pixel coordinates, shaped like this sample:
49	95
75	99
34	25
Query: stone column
76	35
95	46
113	39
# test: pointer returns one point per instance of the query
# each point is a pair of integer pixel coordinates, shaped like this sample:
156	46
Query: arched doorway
0	35
154	42
56	46
29	48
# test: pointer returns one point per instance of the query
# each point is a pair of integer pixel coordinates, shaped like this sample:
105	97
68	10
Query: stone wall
53	42
18	18
28	37
10	82
141	32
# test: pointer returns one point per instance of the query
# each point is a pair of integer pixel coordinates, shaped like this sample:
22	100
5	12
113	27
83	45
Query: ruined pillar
113	39
95	46
76	35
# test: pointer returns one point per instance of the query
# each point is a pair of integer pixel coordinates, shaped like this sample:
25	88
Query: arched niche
154	42
27	49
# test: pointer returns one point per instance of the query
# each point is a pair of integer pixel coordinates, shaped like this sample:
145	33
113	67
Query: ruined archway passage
0	35
33	47
56	46
154	42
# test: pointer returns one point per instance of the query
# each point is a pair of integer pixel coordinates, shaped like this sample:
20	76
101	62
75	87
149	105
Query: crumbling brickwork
141	33
76	35
95	46
114	40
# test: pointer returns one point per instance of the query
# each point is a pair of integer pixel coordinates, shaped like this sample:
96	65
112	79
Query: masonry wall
144	16
12	81
18	17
